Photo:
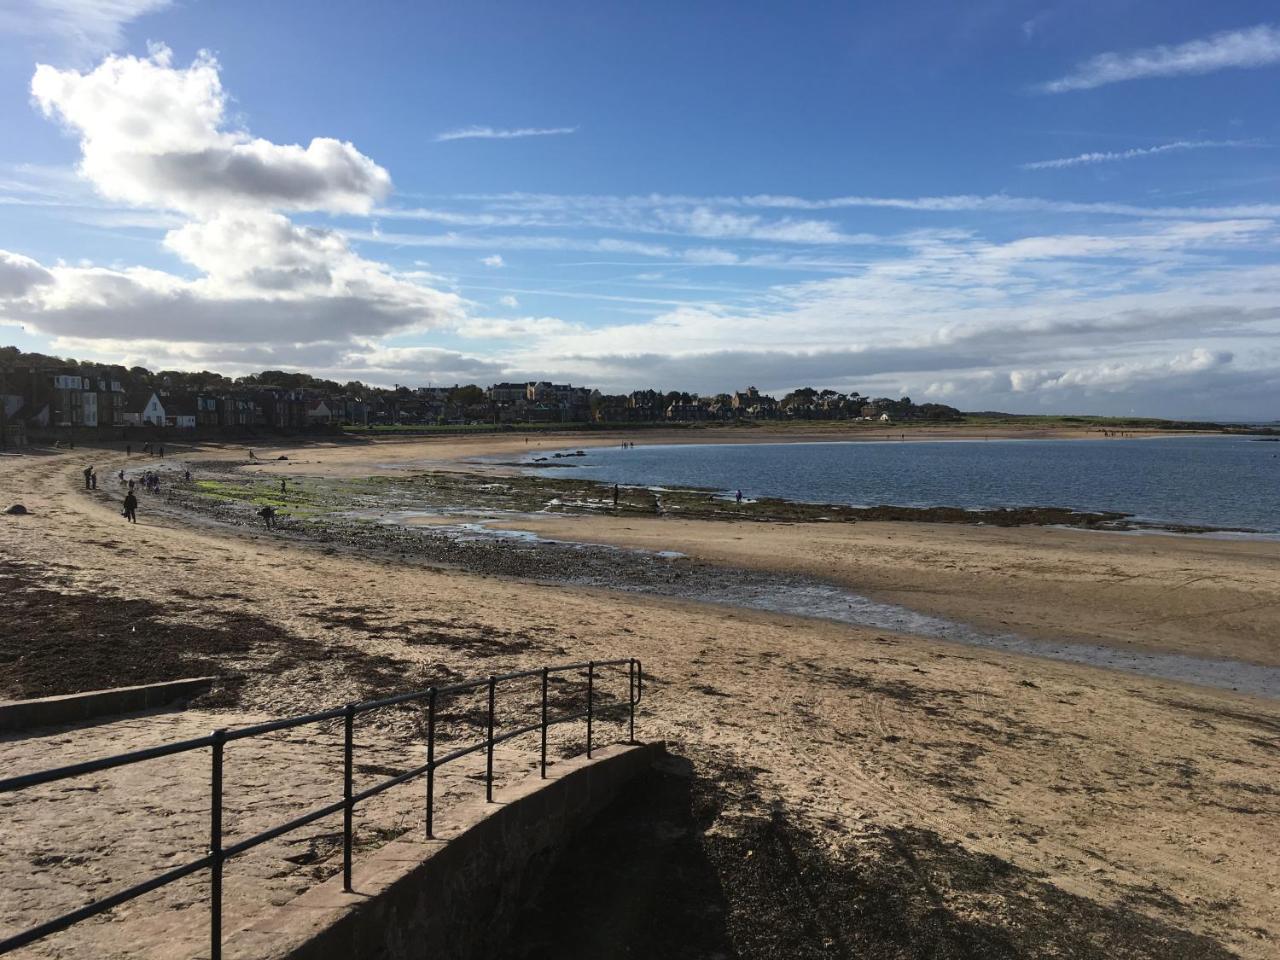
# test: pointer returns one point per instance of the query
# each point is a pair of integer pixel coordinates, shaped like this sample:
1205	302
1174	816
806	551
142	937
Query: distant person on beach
121	476
615	496
162	452
283	485
88	477
131	505
93	480
251	454
739	496
186	475
268	515
128	449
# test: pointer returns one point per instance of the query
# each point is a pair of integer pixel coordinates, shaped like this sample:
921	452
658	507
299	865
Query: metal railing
219	853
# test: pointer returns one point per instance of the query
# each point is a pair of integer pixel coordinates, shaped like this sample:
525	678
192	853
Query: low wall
17	715
454	898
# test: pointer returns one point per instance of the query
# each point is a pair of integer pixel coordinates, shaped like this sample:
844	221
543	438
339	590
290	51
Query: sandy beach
1147	805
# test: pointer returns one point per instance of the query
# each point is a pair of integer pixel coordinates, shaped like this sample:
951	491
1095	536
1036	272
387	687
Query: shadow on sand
663	873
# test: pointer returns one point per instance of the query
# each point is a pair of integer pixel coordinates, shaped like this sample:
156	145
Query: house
110	402
181	412
505	394
144	407
206	410
686	412
69	404
13	429
318	412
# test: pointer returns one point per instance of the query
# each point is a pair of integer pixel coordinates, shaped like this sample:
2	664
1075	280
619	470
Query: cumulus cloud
493	260
297	296
1255	47
155	135
489	133
1123	375
20	275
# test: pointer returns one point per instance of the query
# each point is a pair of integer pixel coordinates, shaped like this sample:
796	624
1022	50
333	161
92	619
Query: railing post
591	684
348	736
631	699
215	846
431	762
488	776
544	722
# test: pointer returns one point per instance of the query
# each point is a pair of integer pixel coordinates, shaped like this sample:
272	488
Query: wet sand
1152	802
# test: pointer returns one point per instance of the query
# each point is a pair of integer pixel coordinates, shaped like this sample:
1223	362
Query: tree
467	396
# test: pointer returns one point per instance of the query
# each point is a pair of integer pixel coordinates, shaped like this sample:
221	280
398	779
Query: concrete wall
18	715
451	899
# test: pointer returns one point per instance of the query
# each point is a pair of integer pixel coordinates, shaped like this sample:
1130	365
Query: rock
18	510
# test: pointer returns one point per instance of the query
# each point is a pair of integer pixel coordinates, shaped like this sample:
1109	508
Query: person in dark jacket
131	507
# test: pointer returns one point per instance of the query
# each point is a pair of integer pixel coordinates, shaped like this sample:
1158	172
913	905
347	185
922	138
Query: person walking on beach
615	496
268	515
88	477
162	453
283	488
739	496
131	505
93	479
128	449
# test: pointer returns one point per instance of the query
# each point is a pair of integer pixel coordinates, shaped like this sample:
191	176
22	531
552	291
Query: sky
1018	205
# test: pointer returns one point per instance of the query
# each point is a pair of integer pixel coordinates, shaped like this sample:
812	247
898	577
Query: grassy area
970	420
296	500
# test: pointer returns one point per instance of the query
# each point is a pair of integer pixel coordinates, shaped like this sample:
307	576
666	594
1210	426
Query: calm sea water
1228	482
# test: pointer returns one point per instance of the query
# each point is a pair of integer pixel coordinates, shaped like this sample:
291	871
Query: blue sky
1018	205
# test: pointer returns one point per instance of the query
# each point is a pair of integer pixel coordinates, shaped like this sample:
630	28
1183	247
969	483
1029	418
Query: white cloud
264	281
489	133
710	256
703	221
509	301
1177	146
1120	376
947	203
20	275
1255	47
155	135
88	27
502	329
494	260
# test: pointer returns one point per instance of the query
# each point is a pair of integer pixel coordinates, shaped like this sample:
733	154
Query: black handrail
218	854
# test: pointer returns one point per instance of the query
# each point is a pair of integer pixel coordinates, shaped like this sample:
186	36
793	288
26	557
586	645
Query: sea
1229	483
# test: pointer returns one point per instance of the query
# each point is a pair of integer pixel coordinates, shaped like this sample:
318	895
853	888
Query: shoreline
596	547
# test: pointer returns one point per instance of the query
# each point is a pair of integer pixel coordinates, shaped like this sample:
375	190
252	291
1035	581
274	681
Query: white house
144	408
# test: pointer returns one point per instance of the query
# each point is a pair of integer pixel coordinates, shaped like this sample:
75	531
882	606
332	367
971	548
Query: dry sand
1152	800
